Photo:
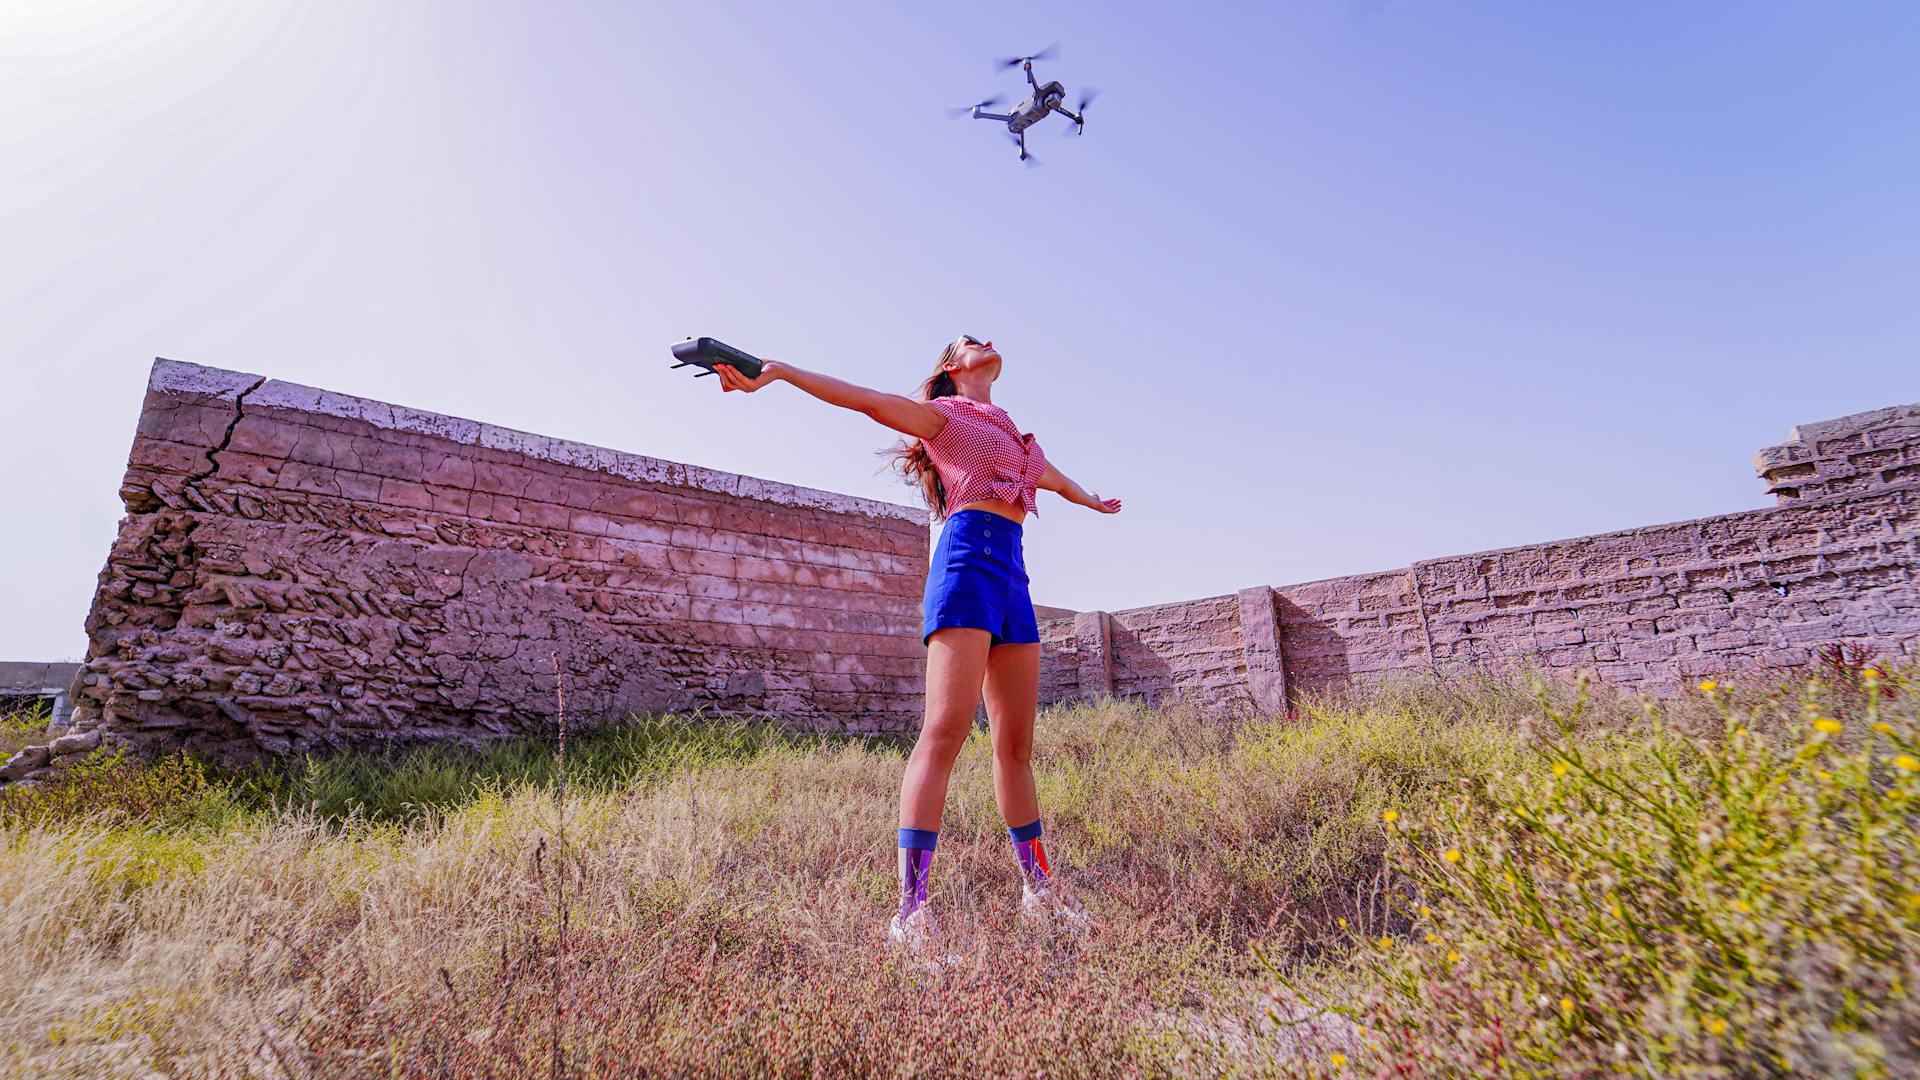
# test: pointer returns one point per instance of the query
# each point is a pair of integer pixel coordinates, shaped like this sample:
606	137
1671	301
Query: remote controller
706	352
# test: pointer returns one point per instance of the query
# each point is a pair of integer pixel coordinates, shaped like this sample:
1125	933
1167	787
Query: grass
23	722
726	886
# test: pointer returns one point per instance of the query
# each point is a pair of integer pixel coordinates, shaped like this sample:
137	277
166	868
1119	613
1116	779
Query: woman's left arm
1054	480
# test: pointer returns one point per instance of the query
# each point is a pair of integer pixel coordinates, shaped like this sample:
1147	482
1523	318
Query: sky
1324	288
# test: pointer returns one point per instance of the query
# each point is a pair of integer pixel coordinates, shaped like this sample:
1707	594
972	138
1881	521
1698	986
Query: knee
940	743
1014	752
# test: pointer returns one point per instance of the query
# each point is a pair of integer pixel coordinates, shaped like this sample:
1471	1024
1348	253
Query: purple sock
916	859
1032	857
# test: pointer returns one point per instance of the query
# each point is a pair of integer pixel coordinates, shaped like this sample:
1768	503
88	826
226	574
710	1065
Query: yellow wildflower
1390	816
1618	911
1559	768
1433	939
1871	674
1827	726
1425	911
1823	774
1883	727
1453	956
1451	855
1338	1060
1743	907
1343	922
1907	763
1566	1005
1708	686
1508	878
1716	1026
1386	943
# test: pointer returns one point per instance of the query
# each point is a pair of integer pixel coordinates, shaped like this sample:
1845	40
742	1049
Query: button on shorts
978	577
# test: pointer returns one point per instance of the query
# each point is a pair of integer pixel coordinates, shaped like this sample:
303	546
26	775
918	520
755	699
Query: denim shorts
978	578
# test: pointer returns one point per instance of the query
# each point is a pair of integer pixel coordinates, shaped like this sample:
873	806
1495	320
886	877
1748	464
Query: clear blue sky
1325	287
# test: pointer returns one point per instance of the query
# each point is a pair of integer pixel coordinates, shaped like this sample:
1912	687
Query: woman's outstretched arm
902	414
1055	480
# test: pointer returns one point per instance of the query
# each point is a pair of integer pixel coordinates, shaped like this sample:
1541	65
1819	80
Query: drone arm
1030	79
978	115
1063	111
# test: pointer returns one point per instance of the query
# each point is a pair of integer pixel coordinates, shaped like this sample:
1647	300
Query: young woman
981	475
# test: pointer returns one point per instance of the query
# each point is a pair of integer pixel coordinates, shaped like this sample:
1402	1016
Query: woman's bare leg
1013	696
956	665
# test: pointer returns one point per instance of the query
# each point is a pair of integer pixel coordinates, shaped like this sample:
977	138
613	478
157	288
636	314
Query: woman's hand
732	379
1105	506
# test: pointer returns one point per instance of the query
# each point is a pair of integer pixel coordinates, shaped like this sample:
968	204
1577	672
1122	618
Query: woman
977	619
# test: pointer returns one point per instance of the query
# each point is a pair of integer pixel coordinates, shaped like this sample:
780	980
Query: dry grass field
1430	878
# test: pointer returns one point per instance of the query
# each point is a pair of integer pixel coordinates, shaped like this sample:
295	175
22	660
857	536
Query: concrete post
1260	640
1093	636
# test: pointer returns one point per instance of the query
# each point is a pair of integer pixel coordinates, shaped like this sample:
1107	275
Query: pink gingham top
980	454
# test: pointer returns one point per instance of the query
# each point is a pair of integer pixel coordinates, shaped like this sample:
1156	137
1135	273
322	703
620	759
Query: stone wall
1837	561
298	568
301	569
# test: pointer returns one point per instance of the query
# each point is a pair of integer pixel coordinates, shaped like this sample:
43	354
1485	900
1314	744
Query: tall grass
726	889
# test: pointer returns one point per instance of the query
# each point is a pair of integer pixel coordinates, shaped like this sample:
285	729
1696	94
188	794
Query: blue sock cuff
918	839
1026	832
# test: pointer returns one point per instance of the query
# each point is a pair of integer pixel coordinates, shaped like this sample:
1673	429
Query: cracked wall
1837	561
299	569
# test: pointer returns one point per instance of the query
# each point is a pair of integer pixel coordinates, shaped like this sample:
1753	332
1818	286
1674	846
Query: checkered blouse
980	454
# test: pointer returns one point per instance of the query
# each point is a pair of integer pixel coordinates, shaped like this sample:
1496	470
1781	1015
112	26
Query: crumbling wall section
1857	453
298	568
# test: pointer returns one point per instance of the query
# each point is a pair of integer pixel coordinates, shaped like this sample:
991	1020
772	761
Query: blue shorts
978	578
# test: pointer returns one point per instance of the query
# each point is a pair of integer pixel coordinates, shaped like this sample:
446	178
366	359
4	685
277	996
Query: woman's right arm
902	414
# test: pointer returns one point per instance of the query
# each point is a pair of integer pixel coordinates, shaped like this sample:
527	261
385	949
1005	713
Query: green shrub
23	722
1664	901
170	792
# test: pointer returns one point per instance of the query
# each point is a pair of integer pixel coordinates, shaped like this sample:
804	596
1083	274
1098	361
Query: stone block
78	742
25	761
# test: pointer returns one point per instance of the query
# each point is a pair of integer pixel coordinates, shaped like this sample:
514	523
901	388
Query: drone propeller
955	114
1086	99
1047	53
1026	156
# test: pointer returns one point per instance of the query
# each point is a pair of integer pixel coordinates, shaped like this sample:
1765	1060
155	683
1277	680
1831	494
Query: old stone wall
1837	561
298	568
301	569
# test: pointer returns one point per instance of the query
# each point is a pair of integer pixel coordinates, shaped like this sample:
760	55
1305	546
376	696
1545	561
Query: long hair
909	456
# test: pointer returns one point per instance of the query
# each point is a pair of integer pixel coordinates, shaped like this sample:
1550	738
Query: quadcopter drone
1034	107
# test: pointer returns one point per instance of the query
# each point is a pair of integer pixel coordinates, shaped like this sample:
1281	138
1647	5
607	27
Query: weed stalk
560	875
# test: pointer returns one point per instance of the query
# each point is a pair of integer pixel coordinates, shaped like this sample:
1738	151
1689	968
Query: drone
1034	107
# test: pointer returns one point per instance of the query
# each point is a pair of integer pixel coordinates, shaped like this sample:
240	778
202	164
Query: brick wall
299	568
1838	560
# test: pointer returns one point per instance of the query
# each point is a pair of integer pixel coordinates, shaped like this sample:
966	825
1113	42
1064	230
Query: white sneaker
919	936
1052	905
